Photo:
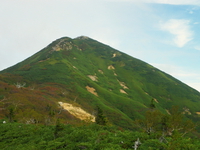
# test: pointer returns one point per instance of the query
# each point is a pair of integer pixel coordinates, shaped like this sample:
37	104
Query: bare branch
4	99
20	85
75	98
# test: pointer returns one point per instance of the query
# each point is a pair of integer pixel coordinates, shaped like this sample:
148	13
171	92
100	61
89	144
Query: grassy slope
70	68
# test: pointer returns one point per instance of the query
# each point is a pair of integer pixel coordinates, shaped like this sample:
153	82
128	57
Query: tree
11	114
49	119
58	128
151	122
177	123
20	85
100	117
152	105
165	124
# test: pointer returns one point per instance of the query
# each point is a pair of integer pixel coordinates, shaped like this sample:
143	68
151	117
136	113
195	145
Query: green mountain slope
92	74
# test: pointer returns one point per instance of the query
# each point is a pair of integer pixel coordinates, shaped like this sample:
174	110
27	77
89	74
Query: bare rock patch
93	78
100	71
91	90
122	84
77	112
122	91
111	67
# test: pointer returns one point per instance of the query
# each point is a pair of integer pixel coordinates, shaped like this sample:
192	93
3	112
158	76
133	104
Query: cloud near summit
175	2
170	2
180	29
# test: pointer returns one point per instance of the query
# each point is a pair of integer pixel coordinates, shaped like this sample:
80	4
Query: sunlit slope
96	74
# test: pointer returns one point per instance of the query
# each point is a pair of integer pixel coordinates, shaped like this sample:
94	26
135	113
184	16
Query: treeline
91	136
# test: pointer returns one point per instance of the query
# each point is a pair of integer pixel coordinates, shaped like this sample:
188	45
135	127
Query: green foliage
100	117
152	105
168	131
58	128
153	144
22	136
11	114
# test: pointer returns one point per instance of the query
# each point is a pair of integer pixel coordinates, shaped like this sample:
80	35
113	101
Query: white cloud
170	2
197	48
175	2
191	12
180	28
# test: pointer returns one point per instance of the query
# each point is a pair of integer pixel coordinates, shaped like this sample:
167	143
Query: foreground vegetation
156	131
16	136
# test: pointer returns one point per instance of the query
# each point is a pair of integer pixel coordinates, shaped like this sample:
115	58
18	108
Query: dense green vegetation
16	136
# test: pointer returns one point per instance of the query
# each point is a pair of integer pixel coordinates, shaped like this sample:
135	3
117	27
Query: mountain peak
62	43
82	37
65	43
85	72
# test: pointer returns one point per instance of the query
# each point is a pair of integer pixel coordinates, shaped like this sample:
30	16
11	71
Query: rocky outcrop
77	112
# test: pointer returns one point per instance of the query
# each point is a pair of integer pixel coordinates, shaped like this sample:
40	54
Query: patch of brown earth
100	71
91	90
111	67
198	113
122	84
43	60
93	78
122	91
74	67
156	100
77	112
114	55
168	111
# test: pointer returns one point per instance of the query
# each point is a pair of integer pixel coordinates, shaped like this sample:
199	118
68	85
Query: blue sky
163	33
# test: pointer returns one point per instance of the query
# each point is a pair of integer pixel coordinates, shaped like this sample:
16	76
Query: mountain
86	73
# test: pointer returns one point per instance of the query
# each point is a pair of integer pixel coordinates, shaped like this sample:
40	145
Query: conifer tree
58	128
11	114
152	105
100	117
